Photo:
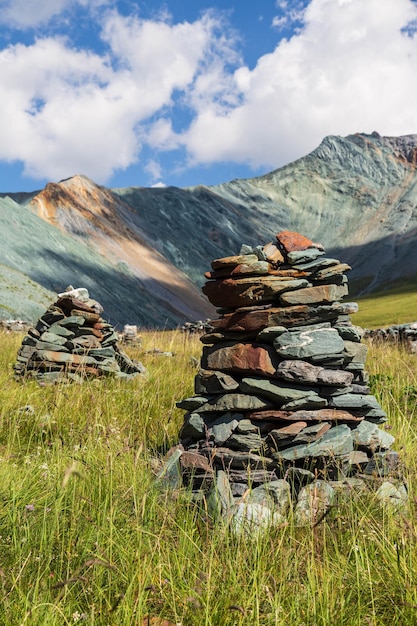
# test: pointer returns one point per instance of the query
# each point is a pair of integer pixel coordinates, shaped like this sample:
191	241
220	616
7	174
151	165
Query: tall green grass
88	536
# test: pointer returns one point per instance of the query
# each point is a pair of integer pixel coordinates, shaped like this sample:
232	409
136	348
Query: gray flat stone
236	459
170	473
214	381
368	435
350	333
311	433
267	335
314	500
315	295
195	402
245	427
383	464
354	352
251	442
309	402
234	402
220	499
252	519
304	256
276	493
307	373
395	496
222	428
194	427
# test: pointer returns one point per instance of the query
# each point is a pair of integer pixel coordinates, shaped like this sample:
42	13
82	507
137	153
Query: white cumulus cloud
66	111
350	68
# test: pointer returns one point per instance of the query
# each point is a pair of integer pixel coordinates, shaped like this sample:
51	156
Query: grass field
88	536
397	305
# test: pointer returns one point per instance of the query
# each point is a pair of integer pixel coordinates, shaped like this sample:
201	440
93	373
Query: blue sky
188	92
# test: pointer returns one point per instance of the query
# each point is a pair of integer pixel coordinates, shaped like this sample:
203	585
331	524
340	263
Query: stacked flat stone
400	334
72	341
282	392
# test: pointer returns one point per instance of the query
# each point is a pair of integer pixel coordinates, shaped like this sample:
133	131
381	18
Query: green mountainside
142	252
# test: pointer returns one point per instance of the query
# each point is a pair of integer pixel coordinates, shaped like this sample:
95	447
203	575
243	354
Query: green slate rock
267	335
355	401
354	352
276	493
383	464
278	392
335	442
170	475
245	427
310	402
307	344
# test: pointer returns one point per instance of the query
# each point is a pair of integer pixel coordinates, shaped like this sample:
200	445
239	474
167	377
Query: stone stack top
290	272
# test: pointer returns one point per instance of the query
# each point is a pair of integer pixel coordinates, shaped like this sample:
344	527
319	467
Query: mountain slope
142	252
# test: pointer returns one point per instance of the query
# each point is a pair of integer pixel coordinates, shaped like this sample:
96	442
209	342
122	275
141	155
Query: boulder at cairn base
282	393
72	341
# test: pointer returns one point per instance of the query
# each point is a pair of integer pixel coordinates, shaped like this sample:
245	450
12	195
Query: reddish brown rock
240	357
234	293
320	415
290	241
232	261
289	430
193	460
255	319
273	253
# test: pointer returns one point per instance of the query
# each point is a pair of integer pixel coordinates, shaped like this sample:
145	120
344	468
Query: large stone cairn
71	341
282	408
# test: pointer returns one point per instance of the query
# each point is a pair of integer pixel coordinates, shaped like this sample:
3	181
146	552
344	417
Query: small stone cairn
282	415
71	342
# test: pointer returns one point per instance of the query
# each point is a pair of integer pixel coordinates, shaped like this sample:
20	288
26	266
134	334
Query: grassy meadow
87	535
396	305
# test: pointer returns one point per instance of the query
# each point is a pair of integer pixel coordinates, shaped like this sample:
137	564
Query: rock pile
72	341
281	408
403	334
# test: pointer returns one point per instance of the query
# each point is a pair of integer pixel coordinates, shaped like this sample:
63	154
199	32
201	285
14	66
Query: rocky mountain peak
356	194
